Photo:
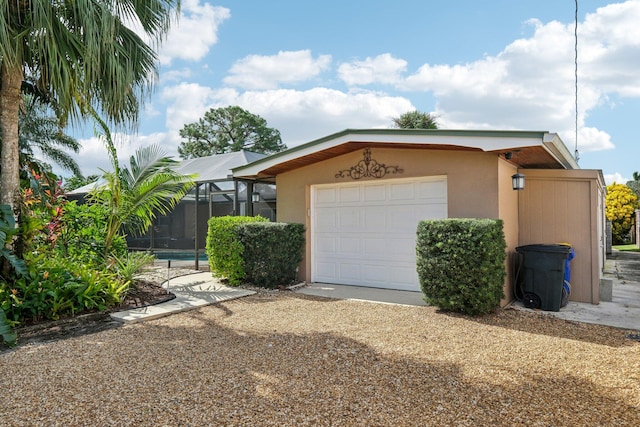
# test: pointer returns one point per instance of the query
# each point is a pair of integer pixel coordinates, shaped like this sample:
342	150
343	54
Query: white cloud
380	69
190	36
187	103
304	115
609	48
268	72
94	157
194	33
531	83
615	178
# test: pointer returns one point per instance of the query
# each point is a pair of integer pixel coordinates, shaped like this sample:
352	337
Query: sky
311	69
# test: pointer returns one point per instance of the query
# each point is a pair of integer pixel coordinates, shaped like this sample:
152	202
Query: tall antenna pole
575	33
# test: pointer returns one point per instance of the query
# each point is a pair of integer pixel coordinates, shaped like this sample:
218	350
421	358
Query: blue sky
315	68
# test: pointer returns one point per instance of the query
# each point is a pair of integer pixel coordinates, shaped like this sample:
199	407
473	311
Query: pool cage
182	233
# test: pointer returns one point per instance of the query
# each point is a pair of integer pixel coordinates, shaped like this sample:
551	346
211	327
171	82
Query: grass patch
627	248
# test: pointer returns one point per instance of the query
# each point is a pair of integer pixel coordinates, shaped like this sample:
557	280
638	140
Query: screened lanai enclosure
182	233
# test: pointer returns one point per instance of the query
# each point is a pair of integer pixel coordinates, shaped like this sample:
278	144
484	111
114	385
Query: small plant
129	265
461	264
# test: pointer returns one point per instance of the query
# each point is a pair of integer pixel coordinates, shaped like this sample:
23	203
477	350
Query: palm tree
40	131
133	196
81	54
416	120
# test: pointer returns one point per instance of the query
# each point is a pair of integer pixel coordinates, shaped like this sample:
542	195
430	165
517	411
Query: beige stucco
478	185
564	206
508	212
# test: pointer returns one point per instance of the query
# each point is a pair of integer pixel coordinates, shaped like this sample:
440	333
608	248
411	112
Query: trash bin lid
557	248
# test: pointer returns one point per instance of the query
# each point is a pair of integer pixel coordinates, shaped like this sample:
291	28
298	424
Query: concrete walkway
623	311
191	291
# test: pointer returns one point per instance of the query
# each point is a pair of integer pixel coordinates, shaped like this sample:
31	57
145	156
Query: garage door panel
374	247
348	219
364	234
326	271
401	218
375	274
432	190
326	220
373	219
402	191
404	277
326	195
349	246
349	194
326	245
350	272
375	193
433	212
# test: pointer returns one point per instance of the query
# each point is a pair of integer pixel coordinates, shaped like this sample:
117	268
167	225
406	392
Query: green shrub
224	250
272	252
55	287
461	264
83	235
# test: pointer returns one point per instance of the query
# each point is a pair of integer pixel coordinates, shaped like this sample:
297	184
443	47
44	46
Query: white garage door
364	233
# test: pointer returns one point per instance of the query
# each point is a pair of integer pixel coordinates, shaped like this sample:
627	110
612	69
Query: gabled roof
529	149
210	168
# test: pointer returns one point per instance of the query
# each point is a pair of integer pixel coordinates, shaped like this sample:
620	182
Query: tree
416	120
78	181
40	129
133	196
228	129
621	203
635	184
82	55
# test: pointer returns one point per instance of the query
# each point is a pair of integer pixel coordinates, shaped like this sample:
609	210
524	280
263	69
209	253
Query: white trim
493	142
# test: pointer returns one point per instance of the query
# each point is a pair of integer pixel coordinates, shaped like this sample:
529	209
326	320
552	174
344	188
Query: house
361	194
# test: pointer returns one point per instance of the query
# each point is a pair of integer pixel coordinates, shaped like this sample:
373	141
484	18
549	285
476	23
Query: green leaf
9	337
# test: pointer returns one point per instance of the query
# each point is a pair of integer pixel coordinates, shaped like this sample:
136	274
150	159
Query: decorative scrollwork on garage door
368	168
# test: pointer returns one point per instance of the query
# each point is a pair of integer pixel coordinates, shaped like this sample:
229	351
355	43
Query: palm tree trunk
10	83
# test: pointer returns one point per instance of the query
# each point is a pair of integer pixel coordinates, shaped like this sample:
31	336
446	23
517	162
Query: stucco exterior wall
563	206
508	213
472	184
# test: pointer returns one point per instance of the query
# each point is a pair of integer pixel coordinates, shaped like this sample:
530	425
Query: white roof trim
483	140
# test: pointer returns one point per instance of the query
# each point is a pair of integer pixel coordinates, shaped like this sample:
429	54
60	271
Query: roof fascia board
554	145
484	140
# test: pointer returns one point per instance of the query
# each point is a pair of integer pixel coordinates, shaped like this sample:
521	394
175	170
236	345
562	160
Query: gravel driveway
290	359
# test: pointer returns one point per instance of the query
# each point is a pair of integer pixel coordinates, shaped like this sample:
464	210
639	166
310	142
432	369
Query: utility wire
575	32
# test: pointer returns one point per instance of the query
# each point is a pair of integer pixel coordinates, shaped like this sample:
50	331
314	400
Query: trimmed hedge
461	264
224	250
272	252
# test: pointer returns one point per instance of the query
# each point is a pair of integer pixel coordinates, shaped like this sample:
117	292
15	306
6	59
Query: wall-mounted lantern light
255	197
517	181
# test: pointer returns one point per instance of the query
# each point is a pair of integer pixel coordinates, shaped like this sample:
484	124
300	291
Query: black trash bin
542	275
